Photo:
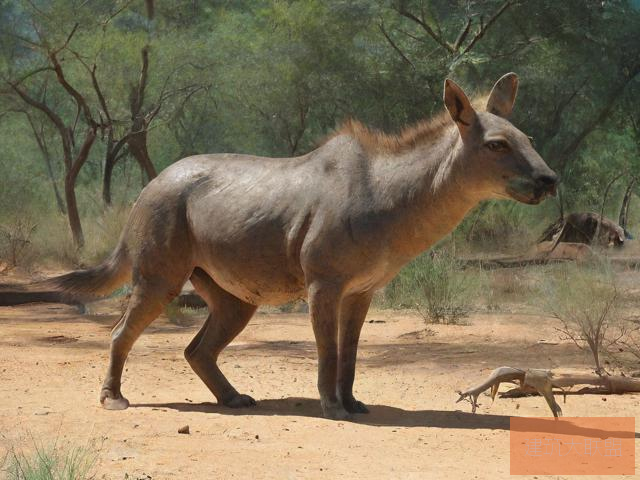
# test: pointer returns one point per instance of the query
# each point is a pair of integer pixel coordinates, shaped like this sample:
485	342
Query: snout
533	189
546	184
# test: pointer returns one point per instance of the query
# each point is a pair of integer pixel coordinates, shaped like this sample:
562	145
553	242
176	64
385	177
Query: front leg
324	301
352	315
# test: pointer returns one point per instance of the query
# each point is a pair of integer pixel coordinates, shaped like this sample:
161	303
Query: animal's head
616	236
500	158
617	239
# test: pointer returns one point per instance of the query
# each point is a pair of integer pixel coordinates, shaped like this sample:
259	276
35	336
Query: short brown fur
332	226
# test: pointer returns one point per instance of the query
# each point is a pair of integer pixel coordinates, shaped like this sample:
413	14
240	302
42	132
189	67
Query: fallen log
543	382
493	263
508	262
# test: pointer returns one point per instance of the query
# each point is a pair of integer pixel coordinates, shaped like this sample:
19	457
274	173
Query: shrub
15	240
585	300
435	285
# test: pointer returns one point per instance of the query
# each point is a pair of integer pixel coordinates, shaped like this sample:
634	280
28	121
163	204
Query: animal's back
242	219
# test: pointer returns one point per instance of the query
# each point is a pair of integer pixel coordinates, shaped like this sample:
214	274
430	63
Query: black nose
547	180
546	183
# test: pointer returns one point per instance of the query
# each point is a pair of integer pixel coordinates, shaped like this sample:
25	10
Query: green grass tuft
52	462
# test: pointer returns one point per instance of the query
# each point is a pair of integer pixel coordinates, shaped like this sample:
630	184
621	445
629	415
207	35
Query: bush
585	300
435	285
15	241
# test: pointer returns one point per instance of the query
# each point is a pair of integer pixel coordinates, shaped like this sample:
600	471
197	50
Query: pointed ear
503	95
459	106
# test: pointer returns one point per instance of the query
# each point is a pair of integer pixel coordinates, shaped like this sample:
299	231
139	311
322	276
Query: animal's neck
426	190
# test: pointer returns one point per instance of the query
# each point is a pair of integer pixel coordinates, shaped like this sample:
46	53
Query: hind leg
228	317
147	301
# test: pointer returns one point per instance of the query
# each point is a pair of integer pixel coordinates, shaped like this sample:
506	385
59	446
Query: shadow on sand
381	416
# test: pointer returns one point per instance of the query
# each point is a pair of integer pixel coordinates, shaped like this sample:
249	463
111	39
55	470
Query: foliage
435	285
273	77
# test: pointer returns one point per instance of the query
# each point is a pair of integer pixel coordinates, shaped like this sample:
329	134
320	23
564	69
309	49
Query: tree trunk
70	188
109	163
72	210
626	201
61	207
596	235
138	147
113	154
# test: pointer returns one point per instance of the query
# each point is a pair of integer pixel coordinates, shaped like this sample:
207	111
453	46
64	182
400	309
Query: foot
239	401
334	411
113	401
355	406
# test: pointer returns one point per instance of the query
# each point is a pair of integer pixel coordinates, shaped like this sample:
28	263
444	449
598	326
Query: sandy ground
52	362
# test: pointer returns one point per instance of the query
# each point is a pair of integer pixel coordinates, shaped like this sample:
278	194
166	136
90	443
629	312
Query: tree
163	80
75	152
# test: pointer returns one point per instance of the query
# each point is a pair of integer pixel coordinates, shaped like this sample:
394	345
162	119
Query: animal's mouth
525	191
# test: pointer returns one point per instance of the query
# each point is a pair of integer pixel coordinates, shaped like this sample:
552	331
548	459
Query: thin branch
137	99
77	96
32	73
53	116
96	86
484	27
40	11
554	125
24	39
394	46
67	41
425	26
411	35
116	13
598	119
462	35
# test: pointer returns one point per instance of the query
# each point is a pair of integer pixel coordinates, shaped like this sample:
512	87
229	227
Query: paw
239	401
111	401
334	411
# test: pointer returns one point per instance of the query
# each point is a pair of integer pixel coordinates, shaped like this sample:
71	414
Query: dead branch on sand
543	382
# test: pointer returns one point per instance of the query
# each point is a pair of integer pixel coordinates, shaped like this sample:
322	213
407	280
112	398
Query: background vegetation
99	96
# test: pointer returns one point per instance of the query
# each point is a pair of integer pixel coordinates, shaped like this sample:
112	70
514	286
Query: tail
74	287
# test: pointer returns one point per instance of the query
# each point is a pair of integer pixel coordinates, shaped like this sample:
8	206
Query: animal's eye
497	146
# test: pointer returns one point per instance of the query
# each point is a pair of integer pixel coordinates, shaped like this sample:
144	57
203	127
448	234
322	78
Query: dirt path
52	360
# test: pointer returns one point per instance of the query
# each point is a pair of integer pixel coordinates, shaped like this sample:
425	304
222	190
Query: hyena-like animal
332	226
